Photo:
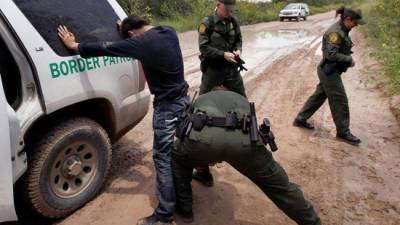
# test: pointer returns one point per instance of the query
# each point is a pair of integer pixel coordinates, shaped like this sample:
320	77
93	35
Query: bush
187	14
383	34
137	7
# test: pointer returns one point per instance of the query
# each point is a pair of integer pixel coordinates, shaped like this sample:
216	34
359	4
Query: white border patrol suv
59	113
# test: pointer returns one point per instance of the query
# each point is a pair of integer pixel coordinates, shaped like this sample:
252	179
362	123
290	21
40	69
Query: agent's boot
303	124
155	220
349	138
186	216
204	176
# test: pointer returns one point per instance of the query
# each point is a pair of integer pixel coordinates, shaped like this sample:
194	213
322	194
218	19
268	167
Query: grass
383	35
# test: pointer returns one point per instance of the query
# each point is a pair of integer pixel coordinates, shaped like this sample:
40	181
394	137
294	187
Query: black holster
329	67
199	120
266	135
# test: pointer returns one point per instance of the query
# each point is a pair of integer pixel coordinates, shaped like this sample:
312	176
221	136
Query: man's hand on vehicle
119	24
67	38
230	57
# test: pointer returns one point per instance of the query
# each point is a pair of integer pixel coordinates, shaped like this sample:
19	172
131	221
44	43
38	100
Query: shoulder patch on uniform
334	38
202	28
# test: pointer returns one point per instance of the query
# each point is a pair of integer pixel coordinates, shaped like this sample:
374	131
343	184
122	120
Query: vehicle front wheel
305	18
281	19
67	167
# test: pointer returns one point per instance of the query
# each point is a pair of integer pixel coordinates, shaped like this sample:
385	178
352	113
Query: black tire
78	136
305	18
281	19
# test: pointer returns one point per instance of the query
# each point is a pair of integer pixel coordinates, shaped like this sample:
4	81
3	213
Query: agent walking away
219	127
336	48
159	52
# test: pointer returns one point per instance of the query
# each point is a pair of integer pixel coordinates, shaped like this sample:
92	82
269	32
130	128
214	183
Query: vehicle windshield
292	7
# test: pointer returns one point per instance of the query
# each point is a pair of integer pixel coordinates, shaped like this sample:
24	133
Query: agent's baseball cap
354	14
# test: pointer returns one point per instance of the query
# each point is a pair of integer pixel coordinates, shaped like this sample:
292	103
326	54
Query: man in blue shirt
157	48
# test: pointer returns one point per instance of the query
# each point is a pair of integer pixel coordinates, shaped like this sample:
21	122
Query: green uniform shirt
218	104
217	36
336	44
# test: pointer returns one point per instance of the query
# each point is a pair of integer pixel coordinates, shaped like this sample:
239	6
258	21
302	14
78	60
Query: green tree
138	8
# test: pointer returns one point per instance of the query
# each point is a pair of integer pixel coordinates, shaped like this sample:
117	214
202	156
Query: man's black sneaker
349	138
303	124
155	220
204	177
186	216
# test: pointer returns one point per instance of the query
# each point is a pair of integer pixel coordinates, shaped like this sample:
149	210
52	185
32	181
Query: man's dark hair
131	23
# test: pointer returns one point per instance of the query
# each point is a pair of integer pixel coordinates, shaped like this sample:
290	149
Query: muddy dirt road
346	184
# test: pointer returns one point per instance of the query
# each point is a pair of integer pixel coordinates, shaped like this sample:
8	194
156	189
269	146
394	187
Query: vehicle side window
10	76
89	20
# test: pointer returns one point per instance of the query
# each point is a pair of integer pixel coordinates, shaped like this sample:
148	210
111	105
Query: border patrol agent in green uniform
220	41
336	48
217	128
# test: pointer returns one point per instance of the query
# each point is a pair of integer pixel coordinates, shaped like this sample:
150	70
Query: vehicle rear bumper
288	16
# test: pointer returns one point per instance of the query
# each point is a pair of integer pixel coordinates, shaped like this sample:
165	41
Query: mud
346	184
395	106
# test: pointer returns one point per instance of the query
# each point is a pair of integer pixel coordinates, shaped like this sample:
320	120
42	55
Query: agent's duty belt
230	121
247	123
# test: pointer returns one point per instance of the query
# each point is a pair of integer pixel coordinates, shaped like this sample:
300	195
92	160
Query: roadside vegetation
383	34
186	14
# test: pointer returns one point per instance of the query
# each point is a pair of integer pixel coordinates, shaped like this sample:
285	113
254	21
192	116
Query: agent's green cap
229	4
354	14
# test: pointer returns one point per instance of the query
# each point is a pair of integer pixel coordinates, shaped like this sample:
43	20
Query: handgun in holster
266	135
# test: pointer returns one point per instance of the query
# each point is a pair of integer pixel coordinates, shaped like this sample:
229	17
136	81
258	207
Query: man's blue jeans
165	119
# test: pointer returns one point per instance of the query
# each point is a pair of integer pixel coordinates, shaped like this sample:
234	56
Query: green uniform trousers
330	87
228	76
255	162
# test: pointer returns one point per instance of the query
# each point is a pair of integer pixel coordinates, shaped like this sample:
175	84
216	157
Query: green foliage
249	13
383	33
137	8
188	17
321	3
187	14
175	8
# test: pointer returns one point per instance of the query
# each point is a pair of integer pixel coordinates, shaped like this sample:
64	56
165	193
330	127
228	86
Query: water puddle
262	48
